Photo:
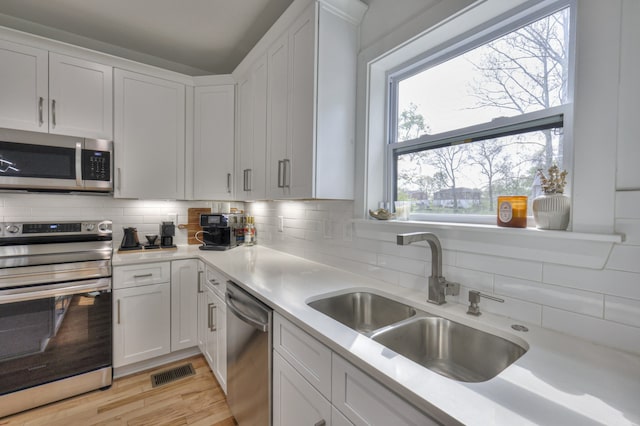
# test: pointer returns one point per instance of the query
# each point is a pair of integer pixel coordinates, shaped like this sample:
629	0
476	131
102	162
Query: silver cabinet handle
214	281
247	179
40	107
143	276
320	423
53	112
229	183
209	315
118	311
200	282
119	178
280	180
212	325
286	174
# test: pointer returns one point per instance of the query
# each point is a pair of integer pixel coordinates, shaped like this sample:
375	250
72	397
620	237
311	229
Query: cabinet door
141	323
149	136
213	142
252	133
184	304
220	356
24	87
277	114
80	97
202	303
210	335
300	167
295	401
366	402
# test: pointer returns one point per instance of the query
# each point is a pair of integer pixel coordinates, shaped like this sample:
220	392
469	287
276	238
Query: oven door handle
52	290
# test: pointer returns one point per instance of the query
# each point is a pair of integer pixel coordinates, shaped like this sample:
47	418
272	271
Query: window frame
456	46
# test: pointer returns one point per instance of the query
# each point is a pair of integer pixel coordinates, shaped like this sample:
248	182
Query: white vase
552	211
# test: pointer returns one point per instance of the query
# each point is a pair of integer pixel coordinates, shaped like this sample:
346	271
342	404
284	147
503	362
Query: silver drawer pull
320	423
142	276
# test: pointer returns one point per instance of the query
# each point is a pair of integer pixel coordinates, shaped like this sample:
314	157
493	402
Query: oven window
37	161
54	338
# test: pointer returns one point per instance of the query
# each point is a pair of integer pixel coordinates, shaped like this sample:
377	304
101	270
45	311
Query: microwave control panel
96	165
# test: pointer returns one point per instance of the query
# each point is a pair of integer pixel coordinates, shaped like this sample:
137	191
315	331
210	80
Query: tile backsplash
145	215
601	305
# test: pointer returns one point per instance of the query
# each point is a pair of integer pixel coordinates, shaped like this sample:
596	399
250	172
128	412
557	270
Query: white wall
602	305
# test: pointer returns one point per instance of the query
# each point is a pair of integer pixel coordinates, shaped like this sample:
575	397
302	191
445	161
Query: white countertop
561	380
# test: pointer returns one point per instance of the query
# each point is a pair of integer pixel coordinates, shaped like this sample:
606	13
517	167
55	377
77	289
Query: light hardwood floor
196	400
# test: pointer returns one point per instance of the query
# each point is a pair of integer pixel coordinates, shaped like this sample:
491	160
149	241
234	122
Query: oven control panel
28	229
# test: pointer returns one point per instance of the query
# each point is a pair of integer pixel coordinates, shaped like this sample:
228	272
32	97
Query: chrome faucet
438	285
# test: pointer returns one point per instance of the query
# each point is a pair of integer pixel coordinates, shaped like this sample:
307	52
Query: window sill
561	247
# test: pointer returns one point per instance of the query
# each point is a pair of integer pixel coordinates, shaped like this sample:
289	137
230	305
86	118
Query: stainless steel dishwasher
248	357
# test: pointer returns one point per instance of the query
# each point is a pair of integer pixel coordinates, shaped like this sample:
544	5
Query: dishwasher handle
256	323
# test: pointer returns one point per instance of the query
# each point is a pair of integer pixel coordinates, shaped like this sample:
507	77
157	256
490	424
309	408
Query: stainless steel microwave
44	162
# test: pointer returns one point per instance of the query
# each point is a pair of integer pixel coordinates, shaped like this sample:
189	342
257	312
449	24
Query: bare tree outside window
520	72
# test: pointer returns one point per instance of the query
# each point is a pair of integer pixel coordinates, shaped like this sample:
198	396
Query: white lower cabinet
141	326
184	304
295	401
303	368
154	310
364	401
212	324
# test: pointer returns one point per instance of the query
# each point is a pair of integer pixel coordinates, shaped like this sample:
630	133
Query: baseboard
127	370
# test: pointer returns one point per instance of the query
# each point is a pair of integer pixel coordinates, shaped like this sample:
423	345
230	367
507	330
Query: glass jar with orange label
512	211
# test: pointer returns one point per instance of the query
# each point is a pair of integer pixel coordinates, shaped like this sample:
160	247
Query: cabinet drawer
137	275
295	401
216	281
364	401
309	357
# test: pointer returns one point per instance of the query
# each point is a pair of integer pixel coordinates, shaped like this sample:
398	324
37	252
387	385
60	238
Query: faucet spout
439	287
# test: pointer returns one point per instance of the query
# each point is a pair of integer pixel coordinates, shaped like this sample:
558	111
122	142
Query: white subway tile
365	269
414	282
481	281
628	204
626	311
608	333
501	265
578	301
630	228
402	264
624	258
617	283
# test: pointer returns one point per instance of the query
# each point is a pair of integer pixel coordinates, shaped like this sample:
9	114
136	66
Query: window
477	119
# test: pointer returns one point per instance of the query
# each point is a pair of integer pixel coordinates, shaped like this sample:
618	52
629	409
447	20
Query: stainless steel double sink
446	347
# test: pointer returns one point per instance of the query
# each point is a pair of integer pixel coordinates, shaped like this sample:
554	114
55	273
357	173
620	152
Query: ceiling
196	37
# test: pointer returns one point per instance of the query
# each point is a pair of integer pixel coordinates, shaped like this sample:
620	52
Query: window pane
520	72
468	178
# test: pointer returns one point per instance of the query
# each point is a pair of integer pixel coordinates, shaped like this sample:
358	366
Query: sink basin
363	311
451	349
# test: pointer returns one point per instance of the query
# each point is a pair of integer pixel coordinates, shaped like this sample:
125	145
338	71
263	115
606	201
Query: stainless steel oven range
55	311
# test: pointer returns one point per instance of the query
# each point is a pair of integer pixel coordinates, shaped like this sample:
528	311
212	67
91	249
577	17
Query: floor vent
168	376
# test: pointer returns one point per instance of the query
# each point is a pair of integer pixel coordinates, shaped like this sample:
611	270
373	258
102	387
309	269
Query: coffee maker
167	232
219	231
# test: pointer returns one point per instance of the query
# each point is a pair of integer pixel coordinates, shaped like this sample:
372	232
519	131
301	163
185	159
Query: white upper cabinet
251	141
213	142
81	98
52	93
24	87
149	136
311	104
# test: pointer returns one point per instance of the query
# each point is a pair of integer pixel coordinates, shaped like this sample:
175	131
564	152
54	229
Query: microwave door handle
79	164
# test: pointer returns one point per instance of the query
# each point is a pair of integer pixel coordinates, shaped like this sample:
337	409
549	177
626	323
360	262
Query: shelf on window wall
589	250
